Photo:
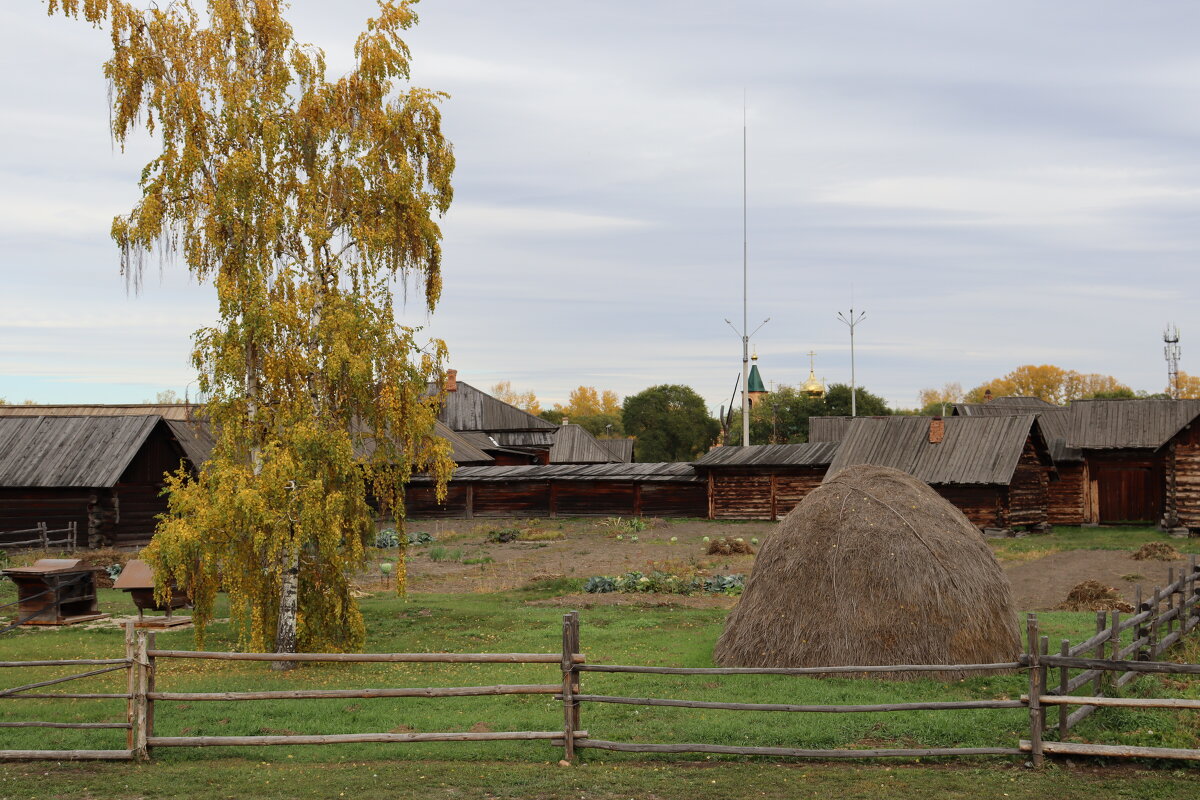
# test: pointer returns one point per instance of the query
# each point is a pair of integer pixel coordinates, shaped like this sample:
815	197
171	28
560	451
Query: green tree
303	201
670	422
781	417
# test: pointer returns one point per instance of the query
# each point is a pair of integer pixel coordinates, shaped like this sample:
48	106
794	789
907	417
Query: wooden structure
1140	459
1070	502
55	591
996	470
137	578
104	473
43	537
573	444
506	433
660	490
763	481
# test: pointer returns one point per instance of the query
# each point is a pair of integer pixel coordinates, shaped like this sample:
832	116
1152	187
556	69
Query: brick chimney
937	430
987	396
451	380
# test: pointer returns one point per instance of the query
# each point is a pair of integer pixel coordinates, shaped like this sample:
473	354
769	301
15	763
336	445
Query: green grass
1117	537
508	623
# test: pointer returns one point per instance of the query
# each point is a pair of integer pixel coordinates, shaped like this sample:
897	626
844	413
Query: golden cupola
813	387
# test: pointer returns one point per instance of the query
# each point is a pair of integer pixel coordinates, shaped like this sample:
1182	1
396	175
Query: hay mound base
1156	551
1094	596
873	568
728	547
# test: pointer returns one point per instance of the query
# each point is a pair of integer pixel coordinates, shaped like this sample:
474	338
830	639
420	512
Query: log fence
69	540
1122	648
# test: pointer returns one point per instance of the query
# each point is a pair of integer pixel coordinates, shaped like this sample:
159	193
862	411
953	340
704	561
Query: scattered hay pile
873	567
1094	596
1157	551
728	547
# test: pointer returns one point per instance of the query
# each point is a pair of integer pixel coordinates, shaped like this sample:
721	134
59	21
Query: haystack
873	567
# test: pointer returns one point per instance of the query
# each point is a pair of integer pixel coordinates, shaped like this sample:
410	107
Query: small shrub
504	535
600	584
540	535
420	537
438	553
480	560
665	583
114	571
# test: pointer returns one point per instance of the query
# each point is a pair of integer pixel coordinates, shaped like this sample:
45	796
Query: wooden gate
1128	493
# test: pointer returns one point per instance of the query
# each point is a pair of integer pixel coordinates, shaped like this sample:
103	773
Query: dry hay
1156	551
873	567
728	547
1094	596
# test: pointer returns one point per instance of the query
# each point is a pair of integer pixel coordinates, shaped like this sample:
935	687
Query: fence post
1170	598
151	677
1044	678
1139	631
1032	647
1098	681
1152	645
1194	595
140	750
1114	642
44	535
1064	677
568	691
131	685
575	673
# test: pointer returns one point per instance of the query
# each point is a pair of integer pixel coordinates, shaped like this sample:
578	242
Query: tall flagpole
745	333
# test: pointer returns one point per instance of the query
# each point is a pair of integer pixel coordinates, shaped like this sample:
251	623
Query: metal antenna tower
1172	352
851	320
745	332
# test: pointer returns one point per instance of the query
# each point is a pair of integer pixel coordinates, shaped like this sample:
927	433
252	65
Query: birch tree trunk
285	631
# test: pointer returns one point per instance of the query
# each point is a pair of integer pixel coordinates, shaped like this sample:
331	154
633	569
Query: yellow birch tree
303	201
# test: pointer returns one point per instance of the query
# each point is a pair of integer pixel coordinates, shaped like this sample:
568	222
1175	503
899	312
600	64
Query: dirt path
1043	583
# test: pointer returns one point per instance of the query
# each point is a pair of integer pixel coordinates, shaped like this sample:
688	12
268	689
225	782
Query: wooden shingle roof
573	444
164	410
811	454
1132	424
469	409
54	452
1055	421
658	472
973	450
621	450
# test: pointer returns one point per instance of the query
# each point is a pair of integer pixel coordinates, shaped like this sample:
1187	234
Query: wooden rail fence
69	541
1098	666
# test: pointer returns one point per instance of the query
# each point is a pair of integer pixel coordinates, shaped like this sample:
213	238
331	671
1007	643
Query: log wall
558	498
984	506
1029	493
1068	496
1182	480
760	493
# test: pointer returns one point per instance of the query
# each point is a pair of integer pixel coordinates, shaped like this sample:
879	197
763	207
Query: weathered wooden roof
973	450
195	437
469	409
827	429
1055	421
621	450
664	472
811	454
573	444
1128	424
164	410
52	452
462	449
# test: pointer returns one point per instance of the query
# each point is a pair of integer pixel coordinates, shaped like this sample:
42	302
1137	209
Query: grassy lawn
1114	537
518	622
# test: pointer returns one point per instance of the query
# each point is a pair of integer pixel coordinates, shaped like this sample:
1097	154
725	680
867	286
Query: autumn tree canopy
599	412
526	401
301	200
1052	384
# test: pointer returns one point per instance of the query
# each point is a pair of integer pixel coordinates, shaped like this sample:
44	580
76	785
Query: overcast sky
995	183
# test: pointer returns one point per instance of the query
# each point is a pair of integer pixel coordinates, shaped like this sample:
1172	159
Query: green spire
755	383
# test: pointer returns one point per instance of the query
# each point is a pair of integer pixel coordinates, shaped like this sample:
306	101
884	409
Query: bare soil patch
1042	584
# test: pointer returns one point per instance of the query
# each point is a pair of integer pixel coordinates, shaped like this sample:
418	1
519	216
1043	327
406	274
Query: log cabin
509	435
762	481
105	473
996	470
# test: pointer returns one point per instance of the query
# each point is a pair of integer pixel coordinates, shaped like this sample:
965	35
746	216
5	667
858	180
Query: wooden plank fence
1098	667
69	540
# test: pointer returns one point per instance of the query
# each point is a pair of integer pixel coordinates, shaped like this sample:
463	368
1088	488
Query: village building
103	473
571	490
996	470
762	481
506	433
